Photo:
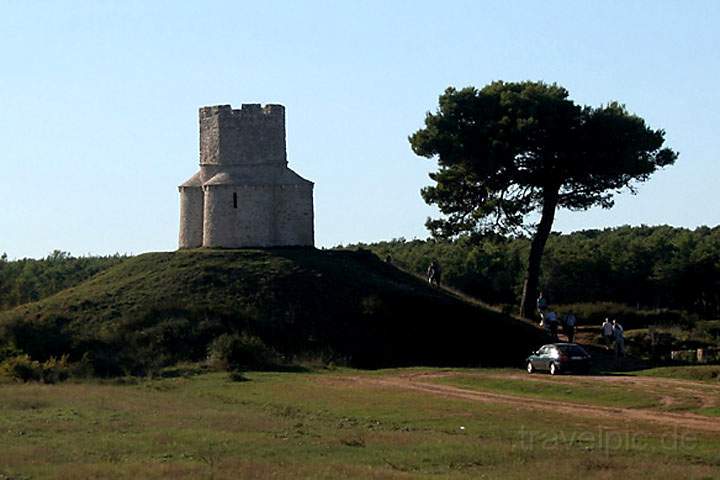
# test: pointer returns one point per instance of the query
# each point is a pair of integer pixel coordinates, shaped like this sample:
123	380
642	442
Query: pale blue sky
99	99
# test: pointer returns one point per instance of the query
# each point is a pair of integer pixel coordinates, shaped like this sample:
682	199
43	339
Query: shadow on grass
187	371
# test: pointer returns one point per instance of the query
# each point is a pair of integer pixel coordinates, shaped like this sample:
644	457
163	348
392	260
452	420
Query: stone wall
244	194
294	215
191	217
248	136
266	216
249	225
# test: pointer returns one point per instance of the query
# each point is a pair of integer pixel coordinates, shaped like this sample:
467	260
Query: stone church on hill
244	194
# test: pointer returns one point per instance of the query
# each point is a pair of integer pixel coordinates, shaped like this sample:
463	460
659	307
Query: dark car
559	358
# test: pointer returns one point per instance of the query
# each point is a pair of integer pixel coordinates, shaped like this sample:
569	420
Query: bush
40	339
22	368
237	352
55	370
83	368
25	369
8	350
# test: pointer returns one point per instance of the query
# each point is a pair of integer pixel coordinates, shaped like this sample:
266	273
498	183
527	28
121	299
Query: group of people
551	321
612	332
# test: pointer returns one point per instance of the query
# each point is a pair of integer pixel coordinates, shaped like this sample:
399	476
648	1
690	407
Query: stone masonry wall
247	136
266	216
249	225
243	156
294	215
191	217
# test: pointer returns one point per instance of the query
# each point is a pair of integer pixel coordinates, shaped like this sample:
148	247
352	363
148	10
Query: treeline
28	280
646	267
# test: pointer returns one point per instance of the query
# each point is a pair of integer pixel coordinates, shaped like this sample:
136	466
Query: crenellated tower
252	135
244	194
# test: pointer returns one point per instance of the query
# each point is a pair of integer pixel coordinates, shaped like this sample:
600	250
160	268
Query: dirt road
423	383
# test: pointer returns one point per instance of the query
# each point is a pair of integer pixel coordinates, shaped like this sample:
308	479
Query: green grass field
703	373
348	424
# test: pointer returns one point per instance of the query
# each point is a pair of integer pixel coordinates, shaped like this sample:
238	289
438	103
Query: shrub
234	352
41	339
8	350
55	369
21	367
25	369
83	368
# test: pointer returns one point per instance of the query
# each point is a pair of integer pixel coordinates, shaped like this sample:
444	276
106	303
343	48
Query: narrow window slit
234	200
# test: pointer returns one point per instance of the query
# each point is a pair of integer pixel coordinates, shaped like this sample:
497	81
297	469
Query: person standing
607	333
542	304
431	272
551	322
619	337
569	326
438	274
434	273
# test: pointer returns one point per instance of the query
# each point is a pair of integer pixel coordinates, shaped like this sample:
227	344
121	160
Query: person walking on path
607	333
434	273
545	324
542	305
431	272
551	324
619	336
569	326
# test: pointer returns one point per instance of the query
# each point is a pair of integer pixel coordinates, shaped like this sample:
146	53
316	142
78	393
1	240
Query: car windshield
572	350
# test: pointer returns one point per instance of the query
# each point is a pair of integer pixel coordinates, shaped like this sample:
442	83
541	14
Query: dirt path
703	395
420	382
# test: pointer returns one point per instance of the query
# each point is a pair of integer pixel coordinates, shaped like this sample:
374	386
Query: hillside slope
160	308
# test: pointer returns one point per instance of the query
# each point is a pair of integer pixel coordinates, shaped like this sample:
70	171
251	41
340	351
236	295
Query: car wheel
530	368
553	369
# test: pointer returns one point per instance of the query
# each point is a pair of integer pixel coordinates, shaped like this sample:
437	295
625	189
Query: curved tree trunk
537	247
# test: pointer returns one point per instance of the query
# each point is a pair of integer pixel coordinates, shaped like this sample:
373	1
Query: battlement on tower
250	135
247	112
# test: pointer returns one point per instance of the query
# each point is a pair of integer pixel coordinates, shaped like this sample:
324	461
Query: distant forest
644	267
27	280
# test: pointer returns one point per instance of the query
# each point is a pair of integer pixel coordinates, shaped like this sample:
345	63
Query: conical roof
194	181
256	175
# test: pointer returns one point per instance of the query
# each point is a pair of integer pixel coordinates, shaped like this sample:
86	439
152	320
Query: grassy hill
349	307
